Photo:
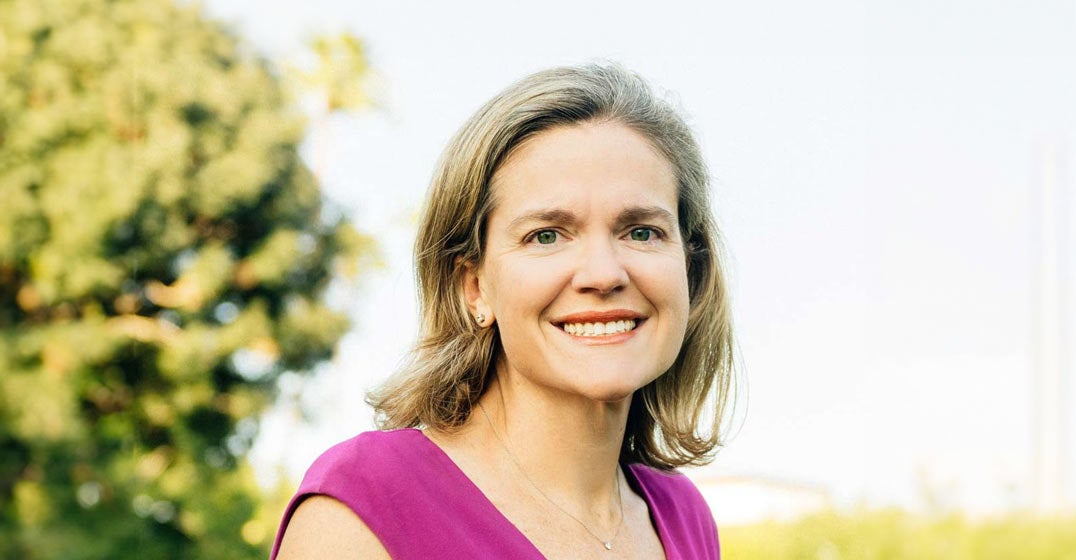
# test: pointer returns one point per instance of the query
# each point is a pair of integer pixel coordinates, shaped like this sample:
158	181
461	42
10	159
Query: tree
163	259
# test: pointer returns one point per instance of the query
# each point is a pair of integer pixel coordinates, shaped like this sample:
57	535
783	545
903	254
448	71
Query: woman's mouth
599	329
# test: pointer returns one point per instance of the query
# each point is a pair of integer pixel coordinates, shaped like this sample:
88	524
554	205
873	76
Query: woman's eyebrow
561	216
646	214
551	215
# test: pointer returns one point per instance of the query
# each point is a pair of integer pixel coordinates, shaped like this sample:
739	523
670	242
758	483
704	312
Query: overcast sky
877	172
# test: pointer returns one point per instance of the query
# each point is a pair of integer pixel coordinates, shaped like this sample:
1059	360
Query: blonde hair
453	361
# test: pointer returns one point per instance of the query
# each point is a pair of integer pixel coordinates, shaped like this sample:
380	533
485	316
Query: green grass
898	535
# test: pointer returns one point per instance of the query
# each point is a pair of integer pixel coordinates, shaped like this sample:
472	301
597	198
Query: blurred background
206	218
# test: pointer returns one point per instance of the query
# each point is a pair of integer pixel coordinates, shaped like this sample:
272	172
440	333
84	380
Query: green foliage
339	72
163	257
897	535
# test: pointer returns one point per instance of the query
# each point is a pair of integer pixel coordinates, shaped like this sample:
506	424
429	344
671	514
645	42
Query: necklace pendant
608	545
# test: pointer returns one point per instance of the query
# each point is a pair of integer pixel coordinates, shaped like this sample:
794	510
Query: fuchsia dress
421	505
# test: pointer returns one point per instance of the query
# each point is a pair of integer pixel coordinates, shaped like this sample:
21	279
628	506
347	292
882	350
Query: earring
480	318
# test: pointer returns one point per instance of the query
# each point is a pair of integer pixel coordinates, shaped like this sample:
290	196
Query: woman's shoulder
678	506
389	487
345	486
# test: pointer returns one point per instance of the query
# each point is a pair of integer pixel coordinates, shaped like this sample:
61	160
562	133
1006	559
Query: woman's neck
567	446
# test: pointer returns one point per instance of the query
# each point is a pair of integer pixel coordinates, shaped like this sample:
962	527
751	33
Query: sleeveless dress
421	505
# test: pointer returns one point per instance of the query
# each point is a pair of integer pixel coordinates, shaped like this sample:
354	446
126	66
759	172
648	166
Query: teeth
599	329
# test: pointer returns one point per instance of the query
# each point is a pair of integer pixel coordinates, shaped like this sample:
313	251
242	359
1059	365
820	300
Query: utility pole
1051	329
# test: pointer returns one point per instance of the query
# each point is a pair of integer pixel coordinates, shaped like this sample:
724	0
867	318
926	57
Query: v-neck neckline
634	482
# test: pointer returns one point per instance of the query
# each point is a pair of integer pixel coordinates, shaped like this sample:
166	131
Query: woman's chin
610	391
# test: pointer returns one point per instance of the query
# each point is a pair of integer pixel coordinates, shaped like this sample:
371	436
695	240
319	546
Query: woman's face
584	268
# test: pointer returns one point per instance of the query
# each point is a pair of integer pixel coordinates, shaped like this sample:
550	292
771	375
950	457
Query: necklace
608	544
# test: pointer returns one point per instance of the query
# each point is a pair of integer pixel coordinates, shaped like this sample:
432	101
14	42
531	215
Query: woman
576	333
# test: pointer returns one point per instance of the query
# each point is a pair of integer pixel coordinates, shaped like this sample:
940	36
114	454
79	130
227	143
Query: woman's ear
475	296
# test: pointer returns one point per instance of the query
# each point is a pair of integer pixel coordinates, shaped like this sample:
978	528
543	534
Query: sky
878	173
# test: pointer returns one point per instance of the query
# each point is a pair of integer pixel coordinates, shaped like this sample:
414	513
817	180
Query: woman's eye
546	237
641	234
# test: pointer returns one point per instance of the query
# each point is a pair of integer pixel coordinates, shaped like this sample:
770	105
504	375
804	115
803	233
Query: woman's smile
600	325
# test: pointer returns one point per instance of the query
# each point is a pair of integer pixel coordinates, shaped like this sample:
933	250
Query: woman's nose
600	268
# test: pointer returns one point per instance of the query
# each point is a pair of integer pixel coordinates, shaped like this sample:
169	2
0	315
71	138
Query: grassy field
897	535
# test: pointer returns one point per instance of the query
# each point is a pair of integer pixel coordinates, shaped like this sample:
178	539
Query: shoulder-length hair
676	419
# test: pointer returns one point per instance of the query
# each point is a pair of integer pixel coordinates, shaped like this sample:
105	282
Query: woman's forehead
607	165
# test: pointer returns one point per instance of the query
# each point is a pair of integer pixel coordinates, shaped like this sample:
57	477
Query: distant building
744	499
